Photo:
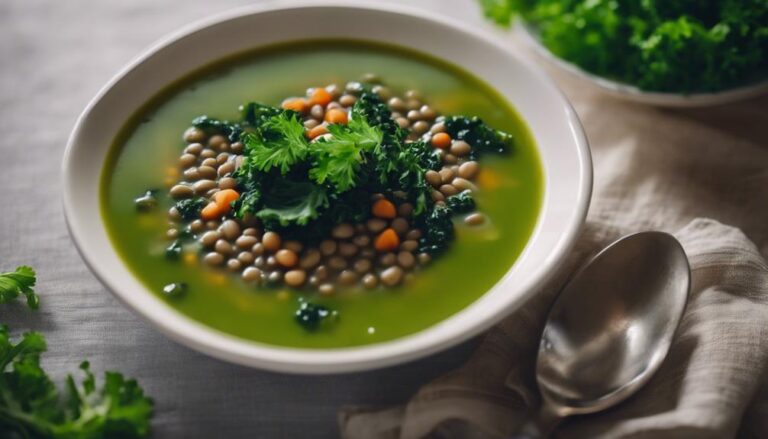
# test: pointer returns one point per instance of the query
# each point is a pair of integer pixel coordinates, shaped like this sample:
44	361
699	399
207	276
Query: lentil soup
178	200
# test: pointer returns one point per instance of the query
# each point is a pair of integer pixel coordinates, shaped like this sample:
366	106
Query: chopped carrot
224	197
320	96
317	131
211	212
387	241
441	140
296	104
384	208
336	115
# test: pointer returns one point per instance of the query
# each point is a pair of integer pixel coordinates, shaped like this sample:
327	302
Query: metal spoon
611	326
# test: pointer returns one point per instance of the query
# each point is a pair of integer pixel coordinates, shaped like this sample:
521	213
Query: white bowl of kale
149	204
666	53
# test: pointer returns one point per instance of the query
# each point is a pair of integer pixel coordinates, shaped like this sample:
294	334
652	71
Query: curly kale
474	131
313	317
190	208
438	230
461	202
678	46
19	282
217	126
32	407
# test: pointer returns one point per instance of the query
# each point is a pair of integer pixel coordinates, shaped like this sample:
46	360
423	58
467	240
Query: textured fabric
653	169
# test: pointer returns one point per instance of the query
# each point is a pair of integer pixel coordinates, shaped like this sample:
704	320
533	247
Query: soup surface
151	142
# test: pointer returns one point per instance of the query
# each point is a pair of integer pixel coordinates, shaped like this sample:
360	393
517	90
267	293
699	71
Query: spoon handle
548	420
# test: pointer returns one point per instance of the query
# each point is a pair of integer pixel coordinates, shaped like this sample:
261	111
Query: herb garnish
312	317
671	45
32	407
18	282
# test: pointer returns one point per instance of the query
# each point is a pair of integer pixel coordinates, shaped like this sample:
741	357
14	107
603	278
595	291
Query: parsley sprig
18	282
32	407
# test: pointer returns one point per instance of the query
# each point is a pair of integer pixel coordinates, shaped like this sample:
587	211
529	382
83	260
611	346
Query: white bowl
561	141
630	92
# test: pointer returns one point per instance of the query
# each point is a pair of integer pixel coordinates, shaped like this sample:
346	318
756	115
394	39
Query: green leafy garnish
292	202
438	230
678	46
216	126
461	202
280	143
313	317
32	407
475	132
190	208
338	159
15	283
173	251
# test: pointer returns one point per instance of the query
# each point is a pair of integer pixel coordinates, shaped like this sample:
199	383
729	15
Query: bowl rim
630	92
348	359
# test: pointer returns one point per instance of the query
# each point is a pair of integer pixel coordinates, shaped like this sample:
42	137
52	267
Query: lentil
295	278
475	219
252	274
286	258
391	276
213	258
271	241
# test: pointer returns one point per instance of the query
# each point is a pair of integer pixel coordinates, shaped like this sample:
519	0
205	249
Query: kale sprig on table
32	407
678	46
19	282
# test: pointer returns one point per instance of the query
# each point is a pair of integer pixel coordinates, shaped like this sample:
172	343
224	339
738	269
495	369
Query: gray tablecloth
55	55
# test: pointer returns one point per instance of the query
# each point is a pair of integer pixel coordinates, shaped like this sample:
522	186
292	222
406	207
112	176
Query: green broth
151	143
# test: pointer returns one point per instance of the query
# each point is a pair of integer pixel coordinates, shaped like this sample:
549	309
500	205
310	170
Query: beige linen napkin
702	390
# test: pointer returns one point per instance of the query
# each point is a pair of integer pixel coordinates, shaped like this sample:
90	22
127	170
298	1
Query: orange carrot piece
320	96
384	208
296	104
317	131
224	198
387	241
441	140
336	115
211	212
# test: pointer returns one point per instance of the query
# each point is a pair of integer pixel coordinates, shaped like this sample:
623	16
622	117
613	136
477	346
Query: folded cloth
703	389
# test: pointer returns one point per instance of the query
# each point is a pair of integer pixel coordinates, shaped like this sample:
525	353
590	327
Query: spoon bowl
612	324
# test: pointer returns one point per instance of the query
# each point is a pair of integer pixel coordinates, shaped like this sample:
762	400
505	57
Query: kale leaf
312	317
461	202
438	230
279	143
32	407
292	203
338	159
256	115
678	46
475	132
190	208
217	126
18	282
